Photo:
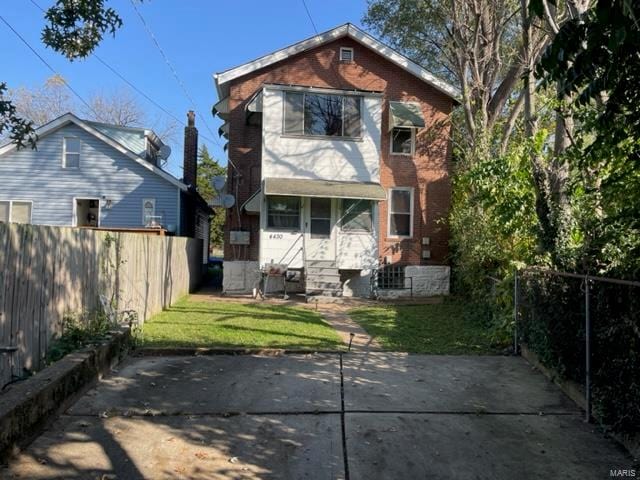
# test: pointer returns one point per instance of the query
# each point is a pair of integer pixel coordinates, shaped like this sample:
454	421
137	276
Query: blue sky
199	37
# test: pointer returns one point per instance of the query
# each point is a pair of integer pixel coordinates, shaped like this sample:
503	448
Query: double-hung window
323	115
400	212
71	152
15	211
357	215
283	213
403	141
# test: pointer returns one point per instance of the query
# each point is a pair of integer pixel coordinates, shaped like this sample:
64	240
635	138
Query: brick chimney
190	161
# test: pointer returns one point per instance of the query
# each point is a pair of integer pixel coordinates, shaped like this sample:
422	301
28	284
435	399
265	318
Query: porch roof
323	188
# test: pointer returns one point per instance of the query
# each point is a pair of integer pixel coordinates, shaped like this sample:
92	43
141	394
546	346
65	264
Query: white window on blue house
71	152
149	218
15	211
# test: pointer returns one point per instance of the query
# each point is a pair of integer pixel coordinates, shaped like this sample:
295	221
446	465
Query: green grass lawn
442	329
225	324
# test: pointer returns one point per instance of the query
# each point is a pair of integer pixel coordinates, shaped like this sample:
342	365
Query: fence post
587	316
515	312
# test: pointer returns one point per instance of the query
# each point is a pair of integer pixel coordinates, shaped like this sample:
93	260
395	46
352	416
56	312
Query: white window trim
357	232
145	200
280	229
74	210
413	143
64	153
389	212
306	92
10	202
348	49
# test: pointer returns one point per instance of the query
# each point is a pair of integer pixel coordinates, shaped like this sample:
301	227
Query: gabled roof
123	139
222	79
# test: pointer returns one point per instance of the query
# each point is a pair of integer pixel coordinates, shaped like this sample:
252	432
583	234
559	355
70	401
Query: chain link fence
586	329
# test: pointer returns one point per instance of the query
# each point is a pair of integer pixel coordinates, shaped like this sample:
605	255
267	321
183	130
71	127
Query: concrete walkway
374	416
350	332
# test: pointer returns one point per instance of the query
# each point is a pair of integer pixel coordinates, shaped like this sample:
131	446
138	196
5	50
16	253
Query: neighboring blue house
88	174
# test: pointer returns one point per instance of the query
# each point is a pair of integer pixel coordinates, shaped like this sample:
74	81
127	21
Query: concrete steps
322	279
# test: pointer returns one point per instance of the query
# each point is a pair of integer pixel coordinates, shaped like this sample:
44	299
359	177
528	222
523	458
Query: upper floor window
15	211
346	54
400	212
403	141
357	215
325	115
71	153
283	213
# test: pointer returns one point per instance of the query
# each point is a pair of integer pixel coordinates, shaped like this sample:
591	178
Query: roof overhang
222	79
405	115
67	118
299	187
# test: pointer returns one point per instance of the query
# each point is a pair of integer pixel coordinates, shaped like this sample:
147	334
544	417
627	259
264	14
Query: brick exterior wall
428	171
190	159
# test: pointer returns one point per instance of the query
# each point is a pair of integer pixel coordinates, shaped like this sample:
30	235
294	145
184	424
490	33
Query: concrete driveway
379	415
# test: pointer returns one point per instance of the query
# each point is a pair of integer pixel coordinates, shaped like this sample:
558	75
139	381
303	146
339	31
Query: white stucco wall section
358	250
240	276
428	281
320	158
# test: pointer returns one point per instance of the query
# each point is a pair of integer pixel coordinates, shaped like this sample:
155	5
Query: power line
121	77
133	86
333	68
170	65
310	17
47	64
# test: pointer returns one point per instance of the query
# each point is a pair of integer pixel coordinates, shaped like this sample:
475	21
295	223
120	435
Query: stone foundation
428	281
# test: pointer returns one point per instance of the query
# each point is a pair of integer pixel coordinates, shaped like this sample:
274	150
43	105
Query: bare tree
477	45
117	108
43	104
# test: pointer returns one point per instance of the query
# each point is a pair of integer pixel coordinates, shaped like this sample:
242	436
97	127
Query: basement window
346	54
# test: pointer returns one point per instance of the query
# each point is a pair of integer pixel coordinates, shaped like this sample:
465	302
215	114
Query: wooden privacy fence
48	272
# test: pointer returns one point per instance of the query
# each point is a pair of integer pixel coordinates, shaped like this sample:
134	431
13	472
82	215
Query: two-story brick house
339	155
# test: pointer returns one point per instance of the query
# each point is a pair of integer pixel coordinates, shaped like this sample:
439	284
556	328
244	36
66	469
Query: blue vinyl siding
37	175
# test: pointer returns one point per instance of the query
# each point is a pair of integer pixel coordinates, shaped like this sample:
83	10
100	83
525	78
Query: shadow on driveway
366	416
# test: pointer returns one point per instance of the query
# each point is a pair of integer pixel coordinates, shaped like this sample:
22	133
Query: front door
320	220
